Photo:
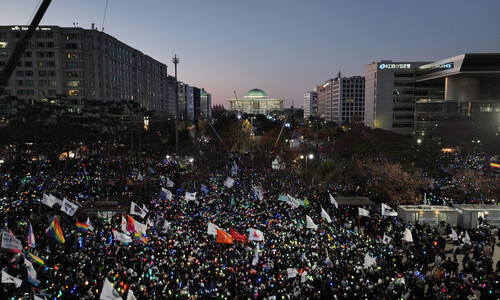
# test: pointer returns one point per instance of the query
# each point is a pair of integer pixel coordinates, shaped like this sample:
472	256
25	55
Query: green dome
256	93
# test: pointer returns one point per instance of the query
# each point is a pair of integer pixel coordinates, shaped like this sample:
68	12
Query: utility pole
175	60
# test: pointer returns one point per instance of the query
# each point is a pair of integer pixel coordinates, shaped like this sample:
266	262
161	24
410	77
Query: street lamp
175	60
307	157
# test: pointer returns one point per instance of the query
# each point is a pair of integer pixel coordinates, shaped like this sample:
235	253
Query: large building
458	96
347	103
80	64
310	104
256	101
390	95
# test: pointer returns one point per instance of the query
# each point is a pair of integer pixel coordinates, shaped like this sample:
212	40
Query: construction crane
21	46
281	131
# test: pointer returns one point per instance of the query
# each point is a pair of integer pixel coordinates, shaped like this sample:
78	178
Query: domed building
256	101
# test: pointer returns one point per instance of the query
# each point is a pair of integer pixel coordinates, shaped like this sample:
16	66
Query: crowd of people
178	258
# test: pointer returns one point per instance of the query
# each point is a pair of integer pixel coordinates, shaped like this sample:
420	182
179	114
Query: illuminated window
3	44
73	92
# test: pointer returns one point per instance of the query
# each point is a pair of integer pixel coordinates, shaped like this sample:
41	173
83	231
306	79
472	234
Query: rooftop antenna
104	17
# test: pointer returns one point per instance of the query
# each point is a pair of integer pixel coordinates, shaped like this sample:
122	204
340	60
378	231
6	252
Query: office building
347	100
310	104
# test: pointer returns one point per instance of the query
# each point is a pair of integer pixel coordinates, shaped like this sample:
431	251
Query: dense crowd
179	259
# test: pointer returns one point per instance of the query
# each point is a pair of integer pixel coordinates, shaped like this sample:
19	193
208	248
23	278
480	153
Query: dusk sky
284	47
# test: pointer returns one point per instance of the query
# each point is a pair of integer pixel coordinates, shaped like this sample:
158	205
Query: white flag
90	225
386	239
68	207
292	272
229	182
123	225
303	277
212	229
130	295
332	201
255	235
170	183
140	227
144	208
325	215
466	238
234	170
454	235
108	292
290	200
6	278
310	223
136	210
47	200
139	177
408	236
369	261
388	211
258	192
190	196
121	237
10	242
363	212
255	259
165	194
56	200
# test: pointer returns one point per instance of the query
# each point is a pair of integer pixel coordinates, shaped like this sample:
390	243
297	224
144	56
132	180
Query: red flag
223	237
238	236
130	223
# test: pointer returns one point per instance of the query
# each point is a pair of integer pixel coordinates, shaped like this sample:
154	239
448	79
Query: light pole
309	156
175	60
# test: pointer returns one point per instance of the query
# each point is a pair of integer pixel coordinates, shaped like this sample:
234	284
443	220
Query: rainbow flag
31	237
32	257
141	238
82	226
54	231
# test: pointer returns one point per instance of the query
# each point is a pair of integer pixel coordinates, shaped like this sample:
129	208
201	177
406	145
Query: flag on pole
6	278
165	194
234	169
47	200
31	273
205	189
121	237
139	177
292	201
238	237
332	201
31	237
136	210
259	193
255	235
229	182
466	239
255	259
325	215
144	208
369	261
408	236
212	228
10	242
454	235
32	257
386	239
54	231
388	211
363	212
90	225
108	292
170	183
292	272
190	196
310	223
140	227
82	226
223	237
68	207
303	277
